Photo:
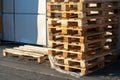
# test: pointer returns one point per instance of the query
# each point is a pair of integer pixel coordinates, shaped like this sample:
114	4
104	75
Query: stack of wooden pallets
83	33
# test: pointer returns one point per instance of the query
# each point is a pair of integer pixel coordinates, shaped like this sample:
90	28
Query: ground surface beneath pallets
15	69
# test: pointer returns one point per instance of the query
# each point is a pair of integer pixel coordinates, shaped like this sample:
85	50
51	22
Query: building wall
25	21
0	19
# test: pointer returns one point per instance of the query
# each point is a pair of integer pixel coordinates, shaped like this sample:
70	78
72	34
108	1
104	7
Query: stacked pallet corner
83	34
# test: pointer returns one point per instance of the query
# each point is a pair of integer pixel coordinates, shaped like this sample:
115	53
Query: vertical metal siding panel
30	6
0	24
8	27
30	29
8	6
0	27
26	28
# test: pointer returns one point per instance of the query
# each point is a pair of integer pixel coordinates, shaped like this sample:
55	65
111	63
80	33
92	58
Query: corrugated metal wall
0	18
25	21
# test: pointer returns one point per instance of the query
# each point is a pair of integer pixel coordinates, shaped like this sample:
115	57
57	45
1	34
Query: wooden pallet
83	71
81	5
81	55
75	55
66	15
69	39
76	22
86	66
57	24
65	0
80	47
107	30
80	63
65	31
64	6
67	22
76	31
82	9
76	14
76	39
23	53
87	14
82	1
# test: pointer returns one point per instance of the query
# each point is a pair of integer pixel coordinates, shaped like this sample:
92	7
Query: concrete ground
15	69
